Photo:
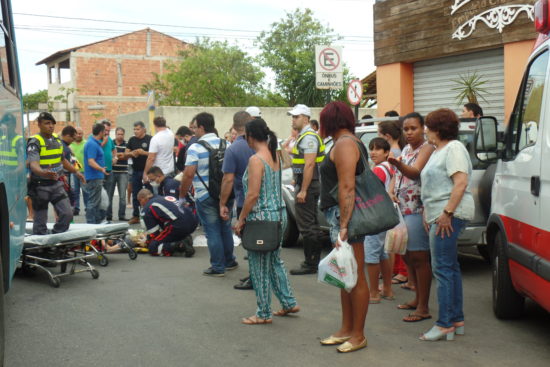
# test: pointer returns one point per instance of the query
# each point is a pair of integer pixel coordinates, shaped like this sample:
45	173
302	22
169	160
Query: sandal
408	287
406	306
415	318
284	312
396	280
255	320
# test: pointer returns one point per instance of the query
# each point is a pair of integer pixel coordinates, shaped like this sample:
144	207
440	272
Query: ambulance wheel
95	273
103	260
55	282
507	303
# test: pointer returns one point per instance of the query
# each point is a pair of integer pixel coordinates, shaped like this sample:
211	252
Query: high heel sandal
459	330
436	333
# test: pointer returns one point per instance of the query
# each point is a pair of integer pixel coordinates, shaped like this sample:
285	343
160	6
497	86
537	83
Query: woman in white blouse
448	205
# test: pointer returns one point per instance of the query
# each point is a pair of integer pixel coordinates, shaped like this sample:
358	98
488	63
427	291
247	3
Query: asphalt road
164	312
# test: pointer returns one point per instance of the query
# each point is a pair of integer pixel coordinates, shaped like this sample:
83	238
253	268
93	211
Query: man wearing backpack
203	169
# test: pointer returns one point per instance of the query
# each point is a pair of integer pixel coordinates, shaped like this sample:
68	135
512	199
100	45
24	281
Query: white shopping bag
339	267
104	204
397	237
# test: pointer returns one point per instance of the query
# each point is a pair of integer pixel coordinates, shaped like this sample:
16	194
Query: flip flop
416	318
388	298
395	280
254	320
406	306
408	287
374	301
284	312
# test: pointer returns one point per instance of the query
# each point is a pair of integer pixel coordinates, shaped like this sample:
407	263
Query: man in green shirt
77	146
109	152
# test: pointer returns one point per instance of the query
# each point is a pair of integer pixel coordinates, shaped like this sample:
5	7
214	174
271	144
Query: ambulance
518	227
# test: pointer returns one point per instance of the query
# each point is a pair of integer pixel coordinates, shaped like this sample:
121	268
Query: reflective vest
50	156
8	153
298	160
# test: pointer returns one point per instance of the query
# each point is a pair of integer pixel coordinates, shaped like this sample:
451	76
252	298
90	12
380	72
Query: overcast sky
238	21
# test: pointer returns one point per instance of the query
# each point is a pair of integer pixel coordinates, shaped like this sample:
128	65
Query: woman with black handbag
340	168
262	220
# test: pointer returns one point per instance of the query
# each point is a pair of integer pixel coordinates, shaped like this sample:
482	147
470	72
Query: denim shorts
418	237
374	248
332	215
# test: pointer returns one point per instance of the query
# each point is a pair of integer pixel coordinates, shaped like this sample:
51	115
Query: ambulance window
526	117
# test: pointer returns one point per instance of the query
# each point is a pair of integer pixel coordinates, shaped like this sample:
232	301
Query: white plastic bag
104	204
397	237
339	267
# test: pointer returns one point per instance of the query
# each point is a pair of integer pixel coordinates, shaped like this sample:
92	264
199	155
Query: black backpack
215	173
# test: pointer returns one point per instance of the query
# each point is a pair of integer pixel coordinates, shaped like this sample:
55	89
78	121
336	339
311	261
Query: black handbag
263	235
374	211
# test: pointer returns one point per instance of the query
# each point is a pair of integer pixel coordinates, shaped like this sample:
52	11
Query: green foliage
31	100
211	73
470	87
288	49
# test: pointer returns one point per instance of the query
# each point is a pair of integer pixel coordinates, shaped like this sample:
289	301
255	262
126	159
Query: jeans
77	185
120	181
109	185
93	214
446	270
219	236
137	184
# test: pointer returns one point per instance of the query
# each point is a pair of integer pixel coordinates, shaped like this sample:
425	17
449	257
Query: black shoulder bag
263	235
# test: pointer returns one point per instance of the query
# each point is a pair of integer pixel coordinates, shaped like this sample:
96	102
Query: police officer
11	144
46	162
307	154
169	228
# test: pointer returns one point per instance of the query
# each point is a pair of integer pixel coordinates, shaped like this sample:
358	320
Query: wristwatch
450	214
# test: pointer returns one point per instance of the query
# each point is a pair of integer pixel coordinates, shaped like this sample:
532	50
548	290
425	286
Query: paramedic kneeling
169	228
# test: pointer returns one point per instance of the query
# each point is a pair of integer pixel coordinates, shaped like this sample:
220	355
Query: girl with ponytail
263	201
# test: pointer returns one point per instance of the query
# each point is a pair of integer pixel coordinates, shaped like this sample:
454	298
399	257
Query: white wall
276	117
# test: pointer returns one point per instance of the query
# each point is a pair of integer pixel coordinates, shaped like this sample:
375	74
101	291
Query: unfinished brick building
103	79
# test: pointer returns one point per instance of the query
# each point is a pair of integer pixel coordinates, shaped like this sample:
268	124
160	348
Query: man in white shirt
161	149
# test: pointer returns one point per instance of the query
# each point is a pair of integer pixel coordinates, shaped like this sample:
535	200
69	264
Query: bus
13	175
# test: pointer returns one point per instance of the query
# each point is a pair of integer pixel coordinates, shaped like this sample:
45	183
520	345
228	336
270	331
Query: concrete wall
276	117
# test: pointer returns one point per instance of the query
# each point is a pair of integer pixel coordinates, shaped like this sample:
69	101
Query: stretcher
115	232
66	250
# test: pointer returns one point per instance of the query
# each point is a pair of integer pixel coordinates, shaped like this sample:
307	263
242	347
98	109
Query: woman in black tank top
340	167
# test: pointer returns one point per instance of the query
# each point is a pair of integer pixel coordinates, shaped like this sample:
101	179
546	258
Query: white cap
300	109
254	111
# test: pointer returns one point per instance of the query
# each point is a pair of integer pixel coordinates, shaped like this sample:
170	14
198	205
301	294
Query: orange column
515	60
394	88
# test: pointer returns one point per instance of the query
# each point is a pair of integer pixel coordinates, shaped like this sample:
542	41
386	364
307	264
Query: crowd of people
178	181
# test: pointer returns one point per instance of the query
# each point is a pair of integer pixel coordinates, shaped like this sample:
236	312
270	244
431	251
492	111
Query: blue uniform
167	225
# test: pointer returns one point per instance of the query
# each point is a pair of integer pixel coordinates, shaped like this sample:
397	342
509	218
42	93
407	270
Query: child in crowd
377	260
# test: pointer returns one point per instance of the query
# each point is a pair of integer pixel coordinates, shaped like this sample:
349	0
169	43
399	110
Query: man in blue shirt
162	185
219	235
109	152
234	164
94	171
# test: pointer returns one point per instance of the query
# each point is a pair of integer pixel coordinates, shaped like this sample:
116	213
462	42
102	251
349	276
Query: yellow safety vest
49	157
8	154
298	160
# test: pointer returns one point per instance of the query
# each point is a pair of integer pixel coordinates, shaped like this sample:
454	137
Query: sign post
328	67
355	94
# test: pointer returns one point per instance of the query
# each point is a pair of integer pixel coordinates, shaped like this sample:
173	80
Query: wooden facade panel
410	31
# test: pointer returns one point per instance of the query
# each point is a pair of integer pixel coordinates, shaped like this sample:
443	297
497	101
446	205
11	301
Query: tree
211	73
31	100
288	49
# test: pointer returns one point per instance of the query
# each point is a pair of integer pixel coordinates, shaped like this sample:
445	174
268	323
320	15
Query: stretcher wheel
55	282
132	254
95	273
103	260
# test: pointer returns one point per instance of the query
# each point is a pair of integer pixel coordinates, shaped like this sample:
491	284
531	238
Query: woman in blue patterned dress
263	201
